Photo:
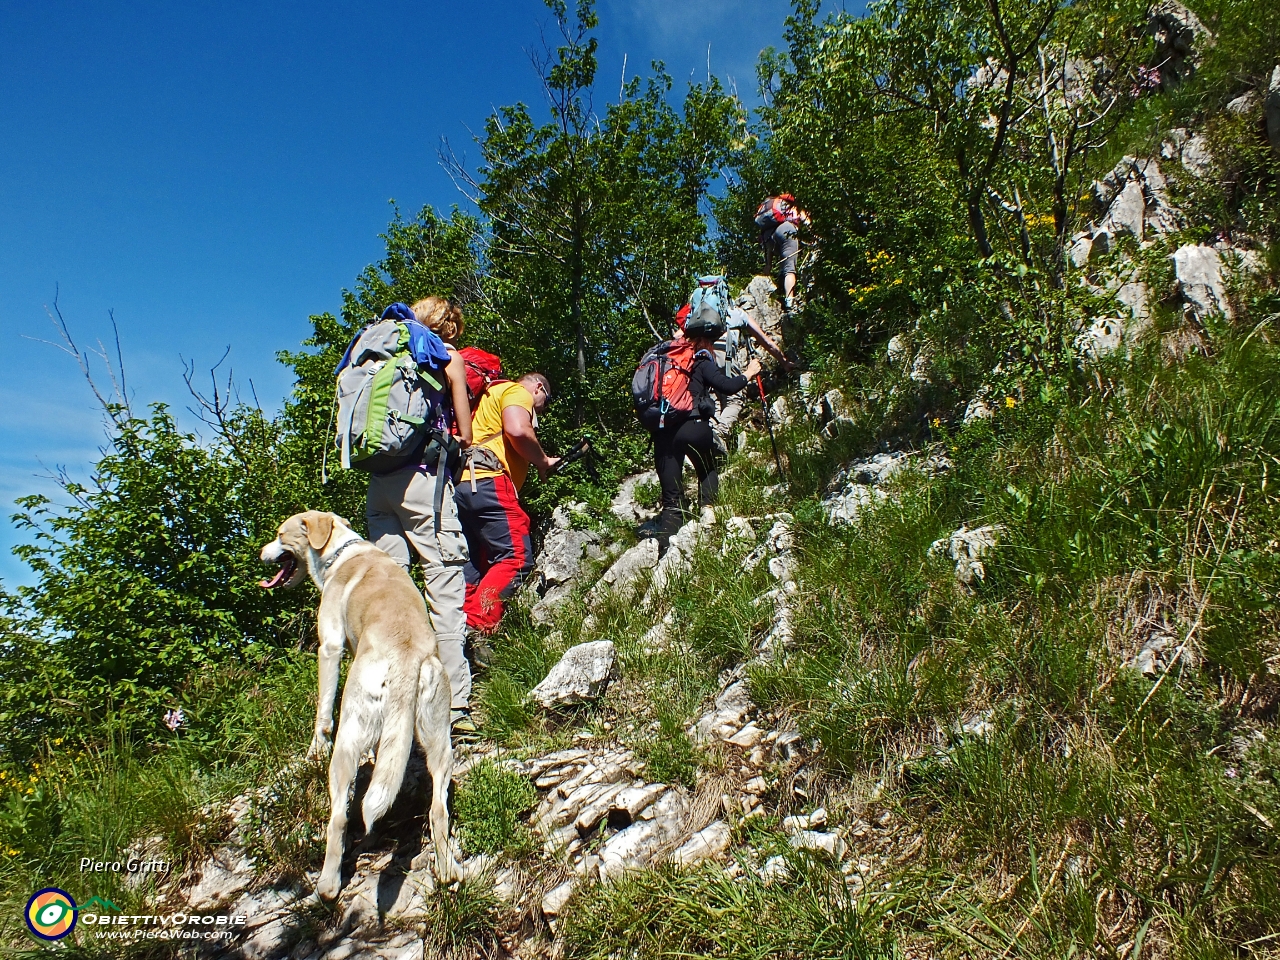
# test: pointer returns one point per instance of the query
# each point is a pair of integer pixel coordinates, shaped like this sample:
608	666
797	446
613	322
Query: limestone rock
678	558
583	674
1079	251
967	548
978	409
1177	32
1103	337
626	570
226	874
831	844
703	845
630	802
775	868
899	349
844	507
726	719
1198	269
1197	158
1127	212
757	300
1243	103
563	551
813	821
624	505
554	900
645	841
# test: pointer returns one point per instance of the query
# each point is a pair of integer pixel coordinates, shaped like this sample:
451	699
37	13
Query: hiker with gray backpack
403	417
733	350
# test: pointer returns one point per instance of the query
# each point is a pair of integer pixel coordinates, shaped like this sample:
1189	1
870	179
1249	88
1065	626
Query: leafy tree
593	218
148	576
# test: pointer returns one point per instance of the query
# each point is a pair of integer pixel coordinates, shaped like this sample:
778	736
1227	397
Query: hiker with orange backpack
778	219
672	389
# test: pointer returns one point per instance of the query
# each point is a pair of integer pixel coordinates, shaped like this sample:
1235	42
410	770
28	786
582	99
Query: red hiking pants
497	532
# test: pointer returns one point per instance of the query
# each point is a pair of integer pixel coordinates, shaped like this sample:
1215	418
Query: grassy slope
1106	807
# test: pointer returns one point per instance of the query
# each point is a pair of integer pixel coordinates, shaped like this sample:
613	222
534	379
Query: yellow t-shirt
486	427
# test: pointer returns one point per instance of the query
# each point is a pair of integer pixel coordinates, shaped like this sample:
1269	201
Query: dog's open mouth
288	567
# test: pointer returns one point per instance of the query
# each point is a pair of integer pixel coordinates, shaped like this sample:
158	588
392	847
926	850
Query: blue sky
214	173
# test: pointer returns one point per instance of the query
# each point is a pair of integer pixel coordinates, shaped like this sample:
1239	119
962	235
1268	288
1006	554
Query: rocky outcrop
582	674
967	548
622	577
624	505
856	486
1103	337
1201	286
565	552
757	301
1179	39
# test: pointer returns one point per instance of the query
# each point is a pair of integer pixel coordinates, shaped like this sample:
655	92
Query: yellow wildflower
1010	402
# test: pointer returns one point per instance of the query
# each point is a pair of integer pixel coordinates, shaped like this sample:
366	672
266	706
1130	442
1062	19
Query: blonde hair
442	316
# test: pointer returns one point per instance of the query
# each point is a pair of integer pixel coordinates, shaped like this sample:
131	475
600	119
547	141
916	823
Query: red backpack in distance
660	387
483	370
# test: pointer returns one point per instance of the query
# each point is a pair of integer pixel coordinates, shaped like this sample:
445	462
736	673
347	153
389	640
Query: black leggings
692	439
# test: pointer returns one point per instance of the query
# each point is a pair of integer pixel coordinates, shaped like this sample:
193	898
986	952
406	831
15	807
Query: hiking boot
462	728
479	650
788	305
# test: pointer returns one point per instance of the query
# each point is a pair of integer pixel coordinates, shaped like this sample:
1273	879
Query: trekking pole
579	450
768	424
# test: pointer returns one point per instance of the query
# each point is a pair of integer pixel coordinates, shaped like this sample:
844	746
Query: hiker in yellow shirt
497	529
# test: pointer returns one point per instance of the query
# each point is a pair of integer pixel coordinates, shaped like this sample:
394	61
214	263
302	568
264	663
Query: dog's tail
395	743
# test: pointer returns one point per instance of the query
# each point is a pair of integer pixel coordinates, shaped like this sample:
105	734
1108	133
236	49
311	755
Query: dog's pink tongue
275	581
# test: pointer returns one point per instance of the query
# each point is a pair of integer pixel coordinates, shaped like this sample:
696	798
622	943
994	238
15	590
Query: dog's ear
318	528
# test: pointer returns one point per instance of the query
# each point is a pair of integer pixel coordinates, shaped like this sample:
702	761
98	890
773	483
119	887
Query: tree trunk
575	309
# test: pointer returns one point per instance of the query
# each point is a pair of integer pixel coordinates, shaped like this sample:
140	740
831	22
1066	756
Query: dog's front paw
328	887
320	745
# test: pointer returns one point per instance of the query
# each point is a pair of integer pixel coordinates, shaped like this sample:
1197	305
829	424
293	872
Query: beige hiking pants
401	514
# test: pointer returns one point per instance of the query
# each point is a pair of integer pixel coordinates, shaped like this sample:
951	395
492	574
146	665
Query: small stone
709	842
775	868
827	843
747	737
553	900
755	786
967	548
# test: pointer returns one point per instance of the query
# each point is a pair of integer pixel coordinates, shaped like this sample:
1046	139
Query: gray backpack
389	405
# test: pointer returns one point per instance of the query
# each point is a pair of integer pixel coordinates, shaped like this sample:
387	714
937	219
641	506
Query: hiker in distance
778	218
686	373
410	507
496	526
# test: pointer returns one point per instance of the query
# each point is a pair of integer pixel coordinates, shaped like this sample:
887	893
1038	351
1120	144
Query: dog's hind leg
433	734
